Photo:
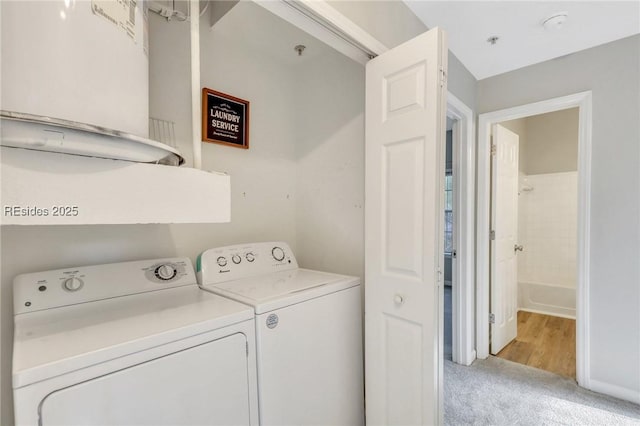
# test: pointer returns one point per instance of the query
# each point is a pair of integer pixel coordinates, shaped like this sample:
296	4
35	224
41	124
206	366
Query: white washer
308	331
134	343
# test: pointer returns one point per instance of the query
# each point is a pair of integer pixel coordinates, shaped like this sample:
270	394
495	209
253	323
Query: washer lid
273	291
56	341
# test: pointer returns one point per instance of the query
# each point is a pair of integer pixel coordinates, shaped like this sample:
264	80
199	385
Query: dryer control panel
244	260
62	287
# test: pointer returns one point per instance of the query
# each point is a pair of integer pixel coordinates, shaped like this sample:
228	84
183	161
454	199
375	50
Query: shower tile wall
547	228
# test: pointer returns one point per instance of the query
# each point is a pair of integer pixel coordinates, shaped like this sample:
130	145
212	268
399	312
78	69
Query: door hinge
493	150
443	77
492	318
492	235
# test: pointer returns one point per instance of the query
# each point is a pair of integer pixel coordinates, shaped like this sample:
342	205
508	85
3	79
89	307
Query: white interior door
504	224
404	188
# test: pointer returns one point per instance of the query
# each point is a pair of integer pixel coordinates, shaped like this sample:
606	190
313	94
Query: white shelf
108	191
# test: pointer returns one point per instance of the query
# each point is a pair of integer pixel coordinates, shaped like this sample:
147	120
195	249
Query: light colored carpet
499	392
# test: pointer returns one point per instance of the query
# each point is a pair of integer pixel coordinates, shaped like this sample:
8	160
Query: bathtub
549	299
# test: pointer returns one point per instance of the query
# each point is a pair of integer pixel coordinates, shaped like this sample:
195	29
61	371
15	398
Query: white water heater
77	60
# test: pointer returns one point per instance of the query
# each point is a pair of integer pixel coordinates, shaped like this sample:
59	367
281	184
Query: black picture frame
225	119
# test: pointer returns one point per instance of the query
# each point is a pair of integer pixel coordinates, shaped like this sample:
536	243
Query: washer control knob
250	257
166	272
222	261
72	284
277	253
236	259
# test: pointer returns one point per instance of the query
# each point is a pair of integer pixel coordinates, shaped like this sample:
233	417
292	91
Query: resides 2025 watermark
37	211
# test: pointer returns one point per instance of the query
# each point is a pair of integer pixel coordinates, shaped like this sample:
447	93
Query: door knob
517	248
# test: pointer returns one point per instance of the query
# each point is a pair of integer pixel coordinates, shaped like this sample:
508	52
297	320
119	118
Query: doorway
534	240
459	250
486	122
449	238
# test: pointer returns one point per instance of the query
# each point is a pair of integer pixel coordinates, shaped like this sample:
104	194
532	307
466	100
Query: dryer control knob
166	272
250	257
72	284
277	253
236	258
222	261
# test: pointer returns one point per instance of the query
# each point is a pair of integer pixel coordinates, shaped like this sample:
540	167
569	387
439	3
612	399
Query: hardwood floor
544	342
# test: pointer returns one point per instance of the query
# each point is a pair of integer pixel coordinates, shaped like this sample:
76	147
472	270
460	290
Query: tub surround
547	228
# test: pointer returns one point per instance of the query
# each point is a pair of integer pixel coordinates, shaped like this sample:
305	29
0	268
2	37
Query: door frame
583	101
463	294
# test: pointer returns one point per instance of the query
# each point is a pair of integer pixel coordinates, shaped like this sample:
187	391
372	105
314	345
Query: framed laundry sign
225	119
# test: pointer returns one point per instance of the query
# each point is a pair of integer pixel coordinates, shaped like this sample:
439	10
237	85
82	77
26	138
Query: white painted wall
330	166
548	142
551	142
390	22
263	177
614	290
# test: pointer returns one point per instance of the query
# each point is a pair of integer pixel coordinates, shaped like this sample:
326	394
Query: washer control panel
51	289
244	260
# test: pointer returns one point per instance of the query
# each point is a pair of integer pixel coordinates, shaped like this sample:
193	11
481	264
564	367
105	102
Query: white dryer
308	331
134	343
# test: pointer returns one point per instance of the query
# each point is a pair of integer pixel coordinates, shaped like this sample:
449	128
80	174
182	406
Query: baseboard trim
471	356
553	314
616	391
